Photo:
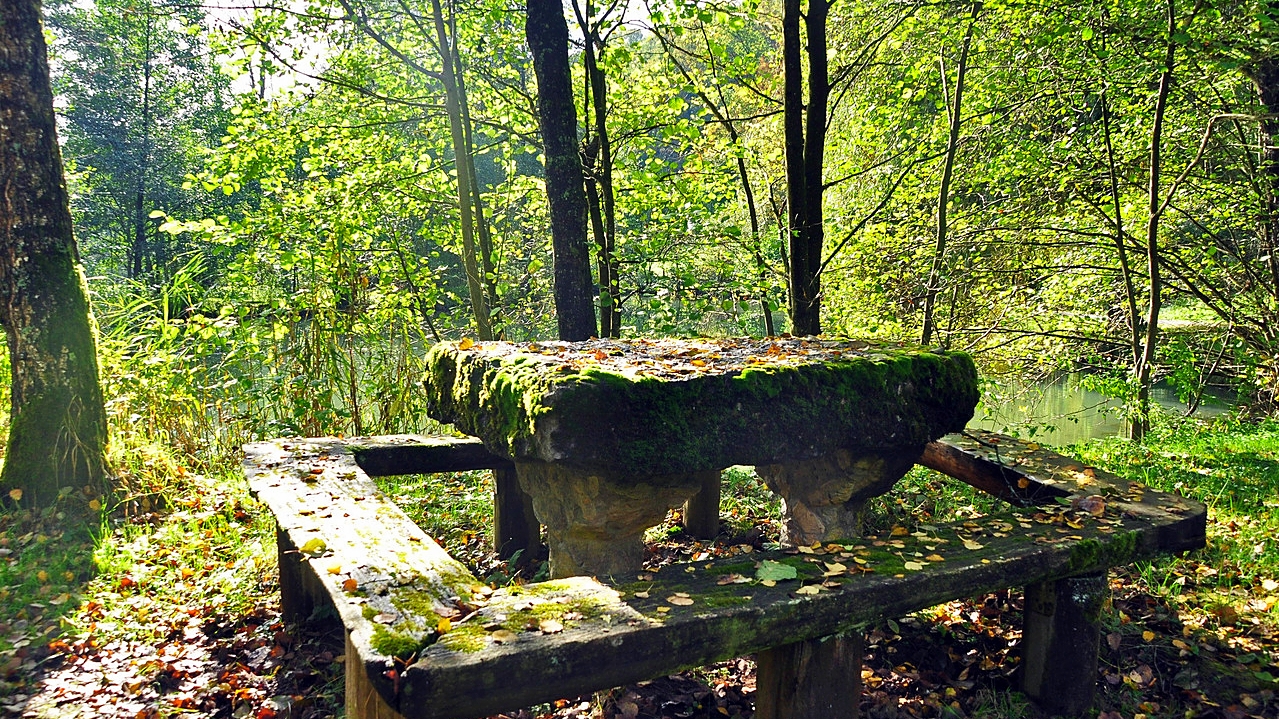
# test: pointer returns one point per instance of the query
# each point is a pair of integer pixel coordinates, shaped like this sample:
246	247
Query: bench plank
347	548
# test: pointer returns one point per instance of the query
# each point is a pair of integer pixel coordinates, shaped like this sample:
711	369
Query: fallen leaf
334	569
15	494
935	558
1269	585
679	601
913	566
314	547
504	636
775	571
641	595
466	343
1148	635
550	626
350	585
444	626
809	589
900	531
973	545
834	568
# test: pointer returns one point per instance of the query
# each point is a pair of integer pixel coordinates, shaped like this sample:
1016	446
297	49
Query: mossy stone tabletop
663	407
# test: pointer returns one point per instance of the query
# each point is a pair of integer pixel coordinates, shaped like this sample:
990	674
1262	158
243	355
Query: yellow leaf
833	569
900	531
466	343
1148	635
43	576
641	595
972	544
314	547
334	568
809	589
913	566
95	505
768	582
663	610
444	626
698	363
935	558
15	495
187	573
679	601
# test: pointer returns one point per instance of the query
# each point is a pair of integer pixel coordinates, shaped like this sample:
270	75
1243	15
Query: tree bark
57	432
547	34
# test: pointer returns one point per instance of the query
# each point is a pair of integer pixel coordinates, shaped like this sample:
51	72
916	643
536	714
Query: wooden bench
426	638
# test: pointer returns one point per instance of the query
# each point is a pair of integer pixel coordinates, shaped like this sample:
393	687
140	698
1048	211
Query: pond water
1063	411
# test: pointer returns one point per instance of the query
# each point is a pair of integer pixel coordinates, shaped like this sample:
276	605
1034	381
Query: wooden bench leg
300	592
1060	641
701	511
515	527
362	700
813	679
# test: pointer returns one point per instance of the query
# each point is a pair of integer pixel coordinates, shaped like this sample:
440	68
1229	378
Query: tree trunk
814	155
601	195
805	133
462	165
57	432
487	266
801	303
1265	77
943	191
547	34
1140	424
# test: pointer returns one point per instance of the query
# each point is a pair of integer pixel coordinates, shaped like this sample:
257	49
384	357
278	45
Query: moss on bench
662	407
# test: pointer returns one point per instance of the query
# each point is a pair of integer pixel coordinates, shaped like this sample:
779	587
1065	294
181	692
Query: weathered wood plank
701	511
388	582
639	634
1060	641
813	679
392	454
515	526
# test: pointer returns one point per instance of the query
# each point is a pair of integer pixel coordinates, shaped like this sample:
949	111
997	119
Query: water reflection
1064	411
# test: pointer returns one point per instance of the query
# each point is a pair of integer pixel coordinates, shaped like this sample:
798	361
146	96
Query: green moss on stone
396	643
465	638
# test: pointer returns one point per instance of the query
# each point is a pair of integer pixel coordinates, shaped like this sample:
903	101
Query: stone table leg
595	523
1061	637
822	498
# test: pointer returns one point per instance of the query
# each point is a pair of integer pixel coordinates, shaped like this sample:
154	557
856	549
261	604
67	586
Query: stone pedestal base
822	498
595	523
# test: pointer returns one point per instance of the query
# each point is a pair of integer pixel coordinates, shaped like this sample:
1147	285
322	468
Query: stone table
607	435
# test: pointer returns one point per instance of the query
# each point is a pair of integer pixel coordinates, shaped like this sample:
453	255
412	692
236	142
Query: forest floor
170	608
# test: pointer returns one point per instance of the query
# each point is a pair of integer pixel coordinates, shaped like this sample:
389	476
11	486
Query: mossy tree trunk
547	34
58	426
